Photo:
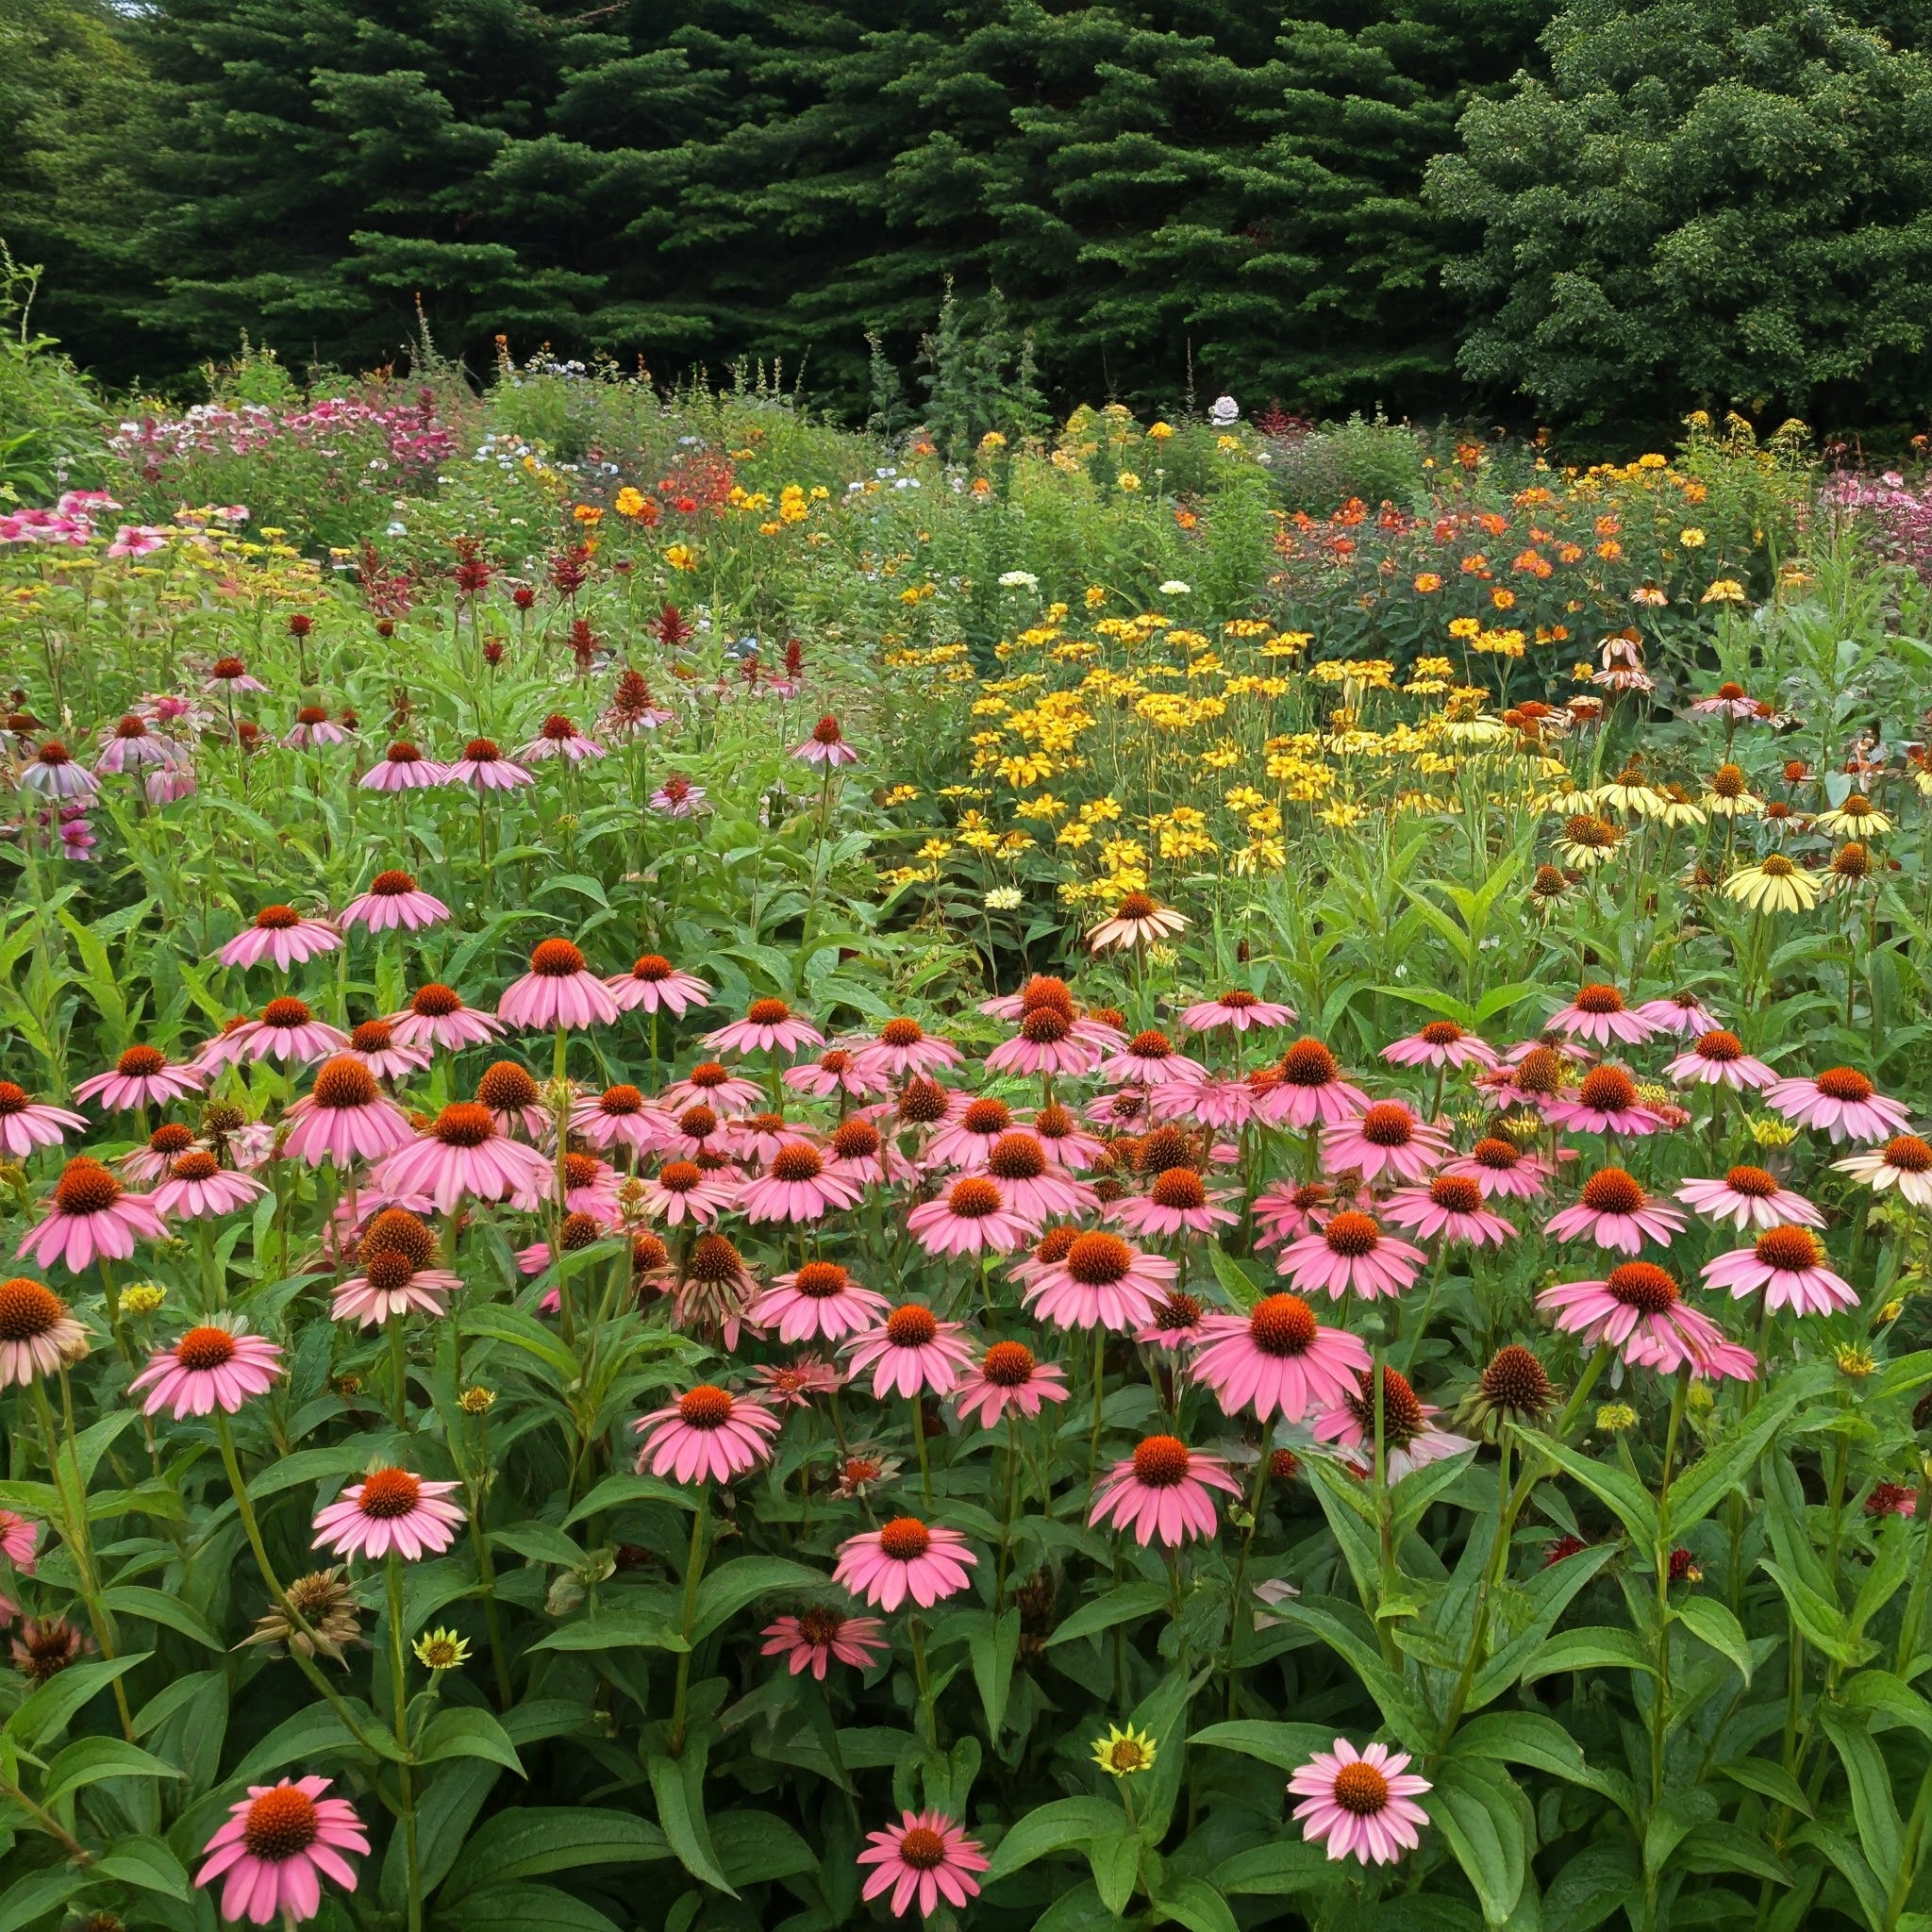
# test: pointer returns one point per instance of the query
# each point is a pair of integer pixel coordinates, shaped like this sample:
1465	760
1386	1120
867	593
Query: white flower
1175	587
1004	899
1019	580
1224	411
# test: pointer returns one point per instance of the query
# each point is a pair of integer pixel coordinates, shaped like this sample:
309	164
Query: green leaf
44	1712
1480	1811
728	1588
37	1894
754	1848
1284	1746
539	1542
1116	1863
1197	1905
615	1491
467	1732
1821	1621
529	1908
497	1322
1726	1848
87	1760
1597	1647
147	1863
615	1630
679	1785
1120	1604
1712	1622
445	1814
1853	1867
1081	1909
1236	1284
1054	1827
158	1606
1526	1737
305	1466
1280	1870
1769	1779
994	1647
1400	1703
1616	1488
1880	1833
1702	1487
531	1839
313	1729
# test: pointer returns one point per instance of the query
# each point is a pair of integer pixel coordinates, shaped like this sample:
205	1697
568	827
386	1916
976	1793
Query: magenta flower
1640	1312
590	1187
19	1541
1276	1358
374	1046
26	1122
1614	1211
198	1188
1603	1101
712	1085
1842	1101
1904	1162
91	1216
924	1857
1441	1044
389	1510
965	1137
1310	1090
681	1192
229	675
839	1070
559	991
1178	1202
282	936
1285	1211
970	1218
53	774
1029	1184
1787	1264
1151	1059
707	1434
484	766
678	798
798	1186
817	1301
143	1077
38	1335
392	1284
618	1117
1411	1440
1048	1041
826	746
1719	1059
465	1152
1010	1376
1599	1015
1350	1255
1176	1324
170	784
313	727
904	1046
1361	1806
345	1117
403	768
1226	1105
1100	1281
1749	1197
1161	1490
1388	1138
1501	1169
278	1845
911	1351
1681	1013
558	738
435	1016
904	1558
1451	1208
210	1367
130	745
394	901
816	1638
286	1031
1237	1008
654	984
768	1027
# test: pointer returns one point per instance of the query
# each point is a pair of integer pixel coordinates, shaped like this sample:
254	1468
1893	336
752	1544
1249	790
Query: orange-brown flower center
1844	1083
140	1062
1388	1124
1178	1188
1016	1158
28	1309
85	1187
1612	1190
1161	1461
1495	1153
768	1012
974	1198
395	1230
387	1270
1352	1235
555	959
795	1161
1441	1033
1720	1046
1643	1286
281	1823
506	1087
193	1166
856	1140
652	968
1788	1249
344	1082
1046	1025
1282	1325
1098	1260
436	1002
911	1326
1607	1090
205	1348
905	1539
1456	1192
1361	1789
1908	1154
463	1124
287	1012
706	1407
1599	999
1008	1364
1308	1063
388	1493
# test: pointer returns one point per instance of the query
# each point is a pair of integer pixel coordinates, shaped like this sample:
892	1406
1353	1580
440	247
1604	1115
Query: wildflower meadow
756	1177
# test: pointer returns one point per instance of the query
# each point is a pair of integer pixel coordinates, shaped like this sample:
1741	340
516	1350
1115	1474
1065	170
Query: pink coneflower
1008	1377
1286	1211
967	1138
769	1027
1360	1805
282	936
1787	1264
393	901
229	675
465	1152
970	1218
817	1301
1178	1202
198	1188
170	784
1641	1313
1125	1110
696	1133
798	1186
574	1233
1150	1059
1681	1013
707	1434
1237	1008
373	1043
1603	1101
26	1122
129	745
209	1367
654	984
1728	701
714	1085
1388	1138
1599	1015
1138	920
826	746
1904	1162
1502	1169
53	774
859	1151
558	738
618	1117
435	1016
816	1638
402	768
1614	1211
278	1845
904	1046
1226	1105
1842	1101
1176	1323
840	1069
389	1510
1029	1184
1411	1440
91	1216
1450	1207
143	1077
1101	1280
393	1283
514	1099
37	1333
590	1187
19	1541
314	727
1749	1197
756	1140
1057	1129
1351	1255
151	1163
1277	1357
1719	1059
926	1856
1048	1041
901	1558
792	1385
1441	1044
1161	1490
345	1117
287	1031
1311	1091
911	1351
484	766
678	798
558	991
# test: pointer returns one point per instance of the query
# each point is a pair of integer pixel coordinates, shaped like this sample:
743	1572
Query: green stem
693	1574
405	1773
